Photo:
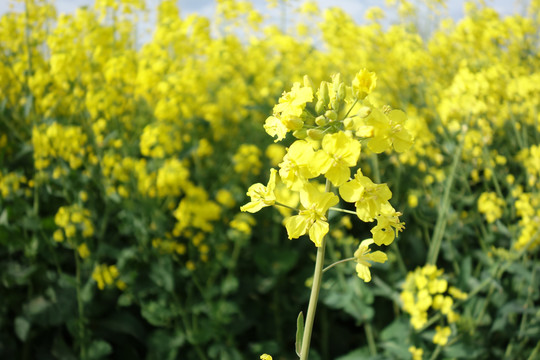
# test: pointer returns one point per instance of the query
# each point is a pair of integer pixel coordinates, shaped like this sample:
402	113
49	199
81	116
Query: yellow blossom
441	335
364	83
313	217
339	153
367	196
363	256
261	196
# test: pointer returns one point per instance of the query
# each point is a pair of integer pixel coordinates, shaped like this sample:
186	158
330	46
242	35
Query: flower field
239	187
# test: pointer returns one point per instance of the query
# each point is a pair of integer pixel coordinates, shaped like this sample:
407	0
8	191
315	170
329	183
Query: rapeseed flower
261	196
339	153
368	197
363	256
312	218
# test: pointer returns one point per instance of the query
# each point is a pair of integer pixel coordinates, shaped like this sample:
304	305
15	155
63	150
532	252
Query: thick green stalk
314	297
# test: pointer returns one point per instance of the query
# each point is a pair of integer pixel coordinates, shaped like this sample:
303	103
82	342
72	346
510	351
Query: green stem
314	297
535	352
350	109
343	210
80	306
337	262
376	173
435	353
286	206
440	226
370	339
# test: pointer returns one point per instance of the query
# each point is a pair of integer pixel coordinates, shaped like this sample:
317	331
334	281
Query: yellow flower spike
364	83
363	256
339	153
313	218
261	196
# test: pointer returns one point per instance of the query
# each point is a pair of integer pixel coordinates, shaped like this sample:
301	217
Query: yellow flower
83	251
364	83
416	353
491	206
441	335
225	198
274	127
294	102
339	153
266	357
363	256
388	225
296	166
261	196
367	196
388	130
313	217
58	235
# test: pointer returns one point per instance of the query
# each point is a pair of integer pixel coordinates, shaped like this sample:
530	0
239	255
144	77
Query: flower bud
323	93
364	112
348	123
315	134
308	82
342	92
292	122
320	106
321	120
331	114
300	134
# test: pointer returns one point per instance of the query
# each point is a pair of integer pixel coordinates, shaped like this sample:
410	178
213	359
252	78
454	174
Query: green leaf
361	353
156	313
37	306
99	349
398	329
22	327
161	274
123	322
299	333
229	285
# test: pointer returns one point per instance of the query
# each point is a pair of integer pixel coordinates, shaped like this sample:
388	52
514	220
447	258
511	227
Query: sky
355	8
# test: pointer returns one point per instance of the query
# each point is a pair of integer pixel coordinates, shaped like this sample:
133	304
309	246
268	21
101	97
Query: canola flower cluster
425	289
331	122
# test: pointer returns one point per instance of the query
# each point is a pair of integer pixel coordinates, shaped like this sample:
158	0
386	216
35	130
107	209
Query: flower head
364	83
313	217
261	196
363	256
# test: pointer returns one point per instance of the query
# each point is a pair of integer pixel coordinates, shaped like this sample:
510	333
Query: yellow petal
378	256
296	226
363	272
317	232
351	191
338	174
